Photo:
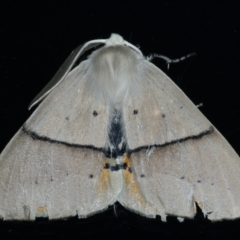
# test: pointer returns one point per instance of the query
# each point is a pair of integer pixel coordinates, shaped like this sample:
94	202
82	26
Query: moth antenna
169	61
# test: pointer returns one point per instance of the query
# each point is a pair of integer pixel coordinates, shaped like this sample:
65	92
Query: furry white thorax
113	70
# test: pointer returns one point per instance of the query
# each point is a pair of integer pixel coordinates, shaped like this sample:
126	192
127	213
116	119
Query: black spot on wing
135	111
95	113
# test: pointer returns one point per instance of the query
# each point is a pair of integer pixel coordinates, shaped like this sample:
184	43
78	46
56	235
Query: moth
116	128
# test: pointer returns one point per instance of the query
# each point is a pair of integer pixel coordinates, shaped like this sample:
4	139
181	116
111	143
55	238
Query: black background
36	38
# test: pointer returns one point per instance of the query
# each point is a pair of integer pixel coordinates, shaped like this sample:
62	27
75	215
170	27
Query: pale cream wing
39	178
177	157
160	112
54	165
71	114
170	179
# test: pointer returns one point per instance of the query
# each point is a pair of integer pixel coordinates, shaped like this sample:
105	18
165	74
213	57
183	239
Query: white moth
116	128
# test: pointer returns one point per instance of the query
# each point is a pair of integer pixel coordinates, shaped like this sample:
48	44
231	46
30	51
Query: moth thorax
113	69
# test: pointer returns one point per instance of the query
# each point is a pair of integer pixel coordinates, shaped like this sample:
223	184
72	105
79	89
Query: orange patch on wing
131	185
42	210
105	178
200	204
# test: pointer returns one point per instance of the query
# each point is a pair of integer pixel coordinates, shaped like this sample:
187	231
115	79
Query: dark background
36	38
